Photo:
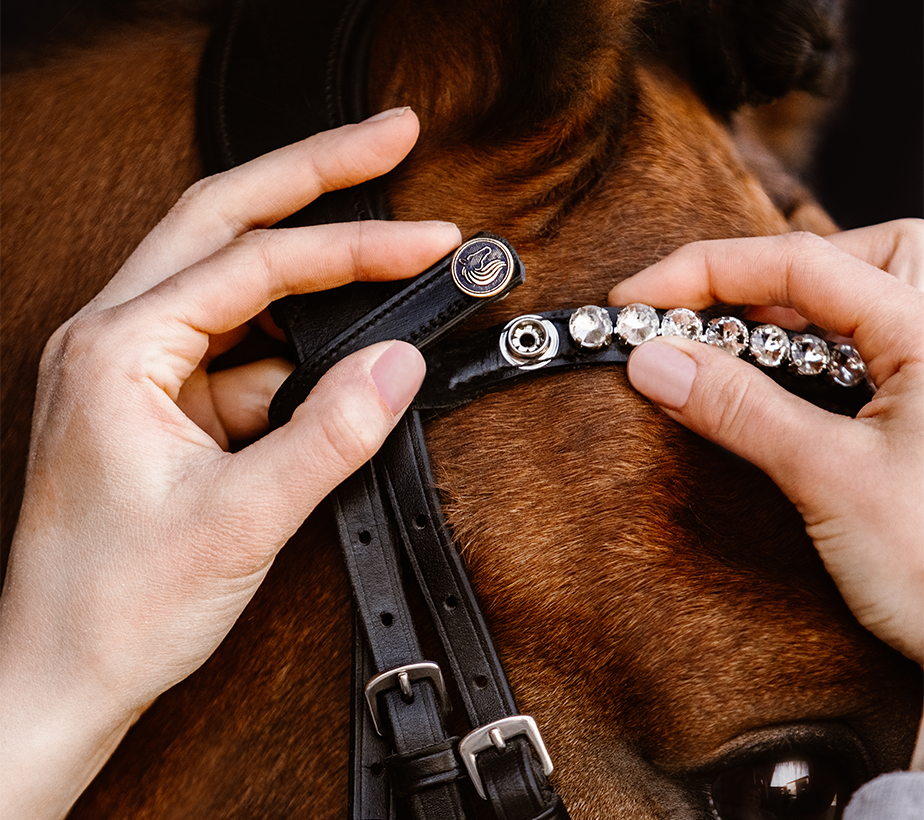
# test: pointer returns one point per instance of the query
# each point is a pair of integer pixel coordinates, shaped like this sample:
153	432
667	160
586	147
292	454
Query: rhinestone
682	322
637	323
591	327
769	345
728	333
846	367
809	354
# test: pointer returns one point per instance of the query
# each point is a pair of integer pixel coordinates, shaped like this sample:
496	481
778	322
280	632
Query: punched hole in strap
402	677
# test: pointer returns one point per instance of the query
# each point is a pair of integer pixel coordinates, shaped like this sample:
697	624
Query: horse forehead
667	587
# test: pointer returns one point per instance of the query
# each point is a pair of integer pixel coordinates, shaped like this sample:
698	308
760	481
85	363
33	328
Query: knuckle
802	243
76	353
349	439
210	195
732	408
254	251
75	339
911	231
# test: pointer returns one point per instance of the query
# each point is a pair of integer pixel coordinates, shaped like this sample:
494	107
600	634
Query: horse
655	601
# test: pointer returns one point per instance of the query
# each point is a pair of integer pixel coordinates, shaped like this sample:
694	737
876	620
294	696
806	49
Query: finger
895	247
775	315
236	283
733	404
339	427
826	285
258	194
242	396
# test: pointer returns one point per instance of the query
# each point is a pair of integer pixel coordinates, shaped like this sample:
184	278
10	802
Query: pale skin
858	483
141	539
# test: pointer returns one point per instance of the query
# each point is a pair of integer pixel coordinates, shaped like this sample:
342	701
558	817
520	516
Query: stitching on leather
377	318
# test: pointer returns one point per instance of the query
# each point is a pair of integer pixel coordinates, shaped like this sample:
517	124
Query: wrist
58	725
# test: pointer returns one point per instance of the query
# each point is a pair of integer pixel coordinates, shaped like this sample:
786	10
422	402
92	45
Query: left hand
141	539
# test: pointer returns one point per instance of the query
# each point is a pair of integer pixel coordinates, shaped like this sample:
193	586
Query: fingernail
398	374
663	373
450	228
389	114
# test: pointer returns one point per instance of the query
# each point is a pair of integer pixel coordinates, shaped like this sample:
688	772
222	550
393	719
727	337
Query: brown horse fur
655	601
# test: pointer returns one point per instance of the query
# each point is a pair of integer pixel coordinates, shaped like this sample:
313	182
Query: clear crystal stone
846	367
637	323
682	322
591	327
809	354
769	345
728	333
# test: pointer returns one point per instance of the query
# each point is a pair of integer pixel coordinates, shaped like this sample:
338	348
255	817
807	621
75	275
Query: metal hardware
529	342
497	734
482	267
402	677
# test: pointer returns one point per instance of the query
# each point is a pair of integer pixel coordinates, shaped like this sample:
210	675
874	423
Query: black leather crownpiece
278	71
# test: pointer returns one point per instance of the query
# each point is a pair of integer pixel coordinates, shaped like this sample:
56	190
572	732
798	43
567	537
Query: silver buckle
497	734
403	676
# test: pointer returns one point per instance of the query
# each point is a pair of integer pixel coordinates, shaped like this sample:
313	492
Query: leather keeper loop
425	310
433	766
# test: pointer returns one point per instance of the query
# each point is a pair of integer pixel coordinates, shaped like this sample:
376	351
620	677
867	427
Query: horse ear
754	51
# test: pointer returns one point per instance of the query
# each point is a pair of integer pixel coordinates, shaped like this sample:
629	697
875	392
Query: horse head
656	602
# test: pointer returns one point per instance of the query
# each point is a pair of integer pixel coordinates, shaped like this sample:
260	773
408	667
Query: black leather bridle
275	72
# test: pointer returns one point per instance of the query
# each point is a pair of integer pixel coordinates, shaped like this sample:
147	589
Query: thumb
339	427
733	404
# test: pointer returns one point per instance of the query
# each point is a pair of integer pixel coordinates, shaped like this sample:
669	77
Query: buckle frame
496	734
403	676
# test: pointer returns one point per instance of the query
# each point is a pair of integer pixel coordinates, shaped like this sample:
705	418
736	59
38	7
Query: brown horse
656	602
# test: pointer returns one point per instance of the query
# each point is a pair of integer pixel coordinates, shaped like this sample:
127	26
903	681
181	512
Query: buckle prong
497	734
402	677
497	739
404	682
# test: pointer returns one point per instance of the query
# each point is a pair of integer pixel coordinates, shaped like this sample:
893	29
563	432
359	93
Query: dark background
870	166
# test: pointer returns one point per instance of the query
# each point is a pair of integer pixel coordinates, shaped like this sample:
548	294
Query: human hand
858	483
141	539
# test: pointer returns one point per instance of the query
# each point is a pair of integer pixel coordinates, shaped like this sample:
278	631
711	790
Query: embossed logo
482	267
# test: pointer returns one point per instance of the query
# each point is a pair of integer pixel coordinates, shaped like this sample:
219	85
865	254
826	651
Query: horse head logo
482	267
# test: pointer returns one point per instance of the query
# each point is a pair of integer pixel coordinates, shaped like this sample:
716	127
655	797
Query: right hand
858	483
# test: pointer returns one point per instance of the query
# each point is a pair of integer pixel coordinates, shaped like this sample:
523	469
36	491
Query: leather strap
459	371
426	308
513	779
425	769
275	72
370	788
413	718
441	575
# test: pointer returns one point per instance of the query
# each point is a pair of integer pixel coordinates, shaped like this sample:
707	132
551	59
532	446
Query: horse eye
791	788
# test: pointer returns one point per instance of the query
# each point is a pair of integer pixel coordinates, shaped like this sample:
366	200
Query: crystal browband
831	376
768	345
